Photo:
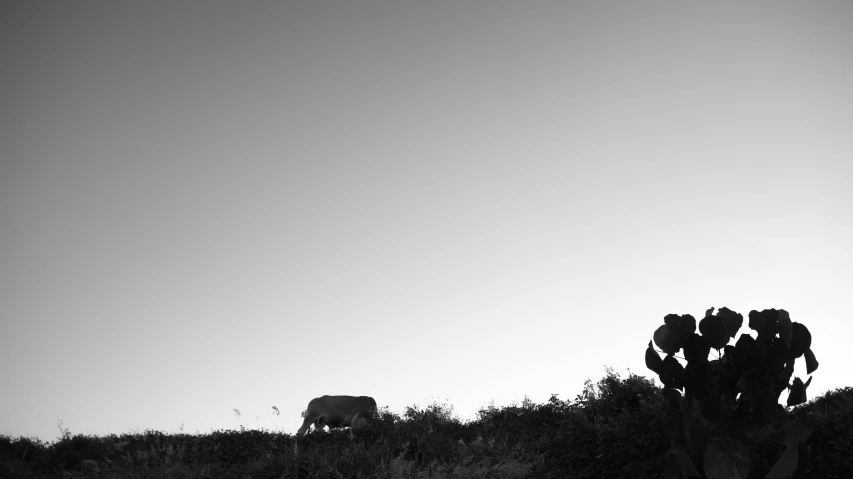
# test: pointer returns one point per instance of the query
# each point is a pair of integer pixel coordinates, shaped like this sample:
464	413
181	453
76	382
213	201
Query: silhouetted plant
732	402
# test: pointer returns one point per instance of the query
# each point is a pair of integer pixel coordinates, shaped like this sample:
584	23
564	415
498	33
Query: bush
612	430
832	416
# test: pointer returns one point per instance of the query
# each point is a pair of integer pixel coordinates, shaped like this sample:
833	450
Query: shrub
832	416
611	430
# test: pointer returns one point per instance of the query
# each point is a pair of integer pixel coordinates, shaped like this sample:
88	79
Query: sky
209	206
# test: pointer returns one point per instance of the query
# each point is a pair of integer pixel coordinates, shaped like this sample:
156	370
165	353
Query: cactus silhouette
712	404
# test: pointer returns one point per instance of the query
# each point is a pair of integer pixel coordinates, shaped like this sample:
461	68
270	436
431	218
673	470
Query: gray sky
208	206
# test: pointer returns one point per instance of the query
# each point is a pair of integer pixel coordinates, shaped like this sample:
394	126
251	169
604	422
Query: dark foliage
832	438
723	415
605	432
613	429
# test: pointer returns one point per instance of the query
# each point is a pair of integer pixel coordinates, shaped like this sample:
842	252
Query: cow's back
342	406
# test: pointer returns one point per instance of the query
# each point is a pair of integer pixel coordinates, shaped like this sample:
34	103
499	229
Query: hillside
611	430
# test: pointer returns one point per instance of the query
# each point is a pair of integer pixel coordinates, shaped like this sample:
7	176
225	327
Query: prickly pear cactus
734	394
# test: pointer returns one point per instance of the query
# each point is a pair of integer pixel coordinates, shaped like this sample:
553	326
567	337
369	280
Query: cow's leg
319	424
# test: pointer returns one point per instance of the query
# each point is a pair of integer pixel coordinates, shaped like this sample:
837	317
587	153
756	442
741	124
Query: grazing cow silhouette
337	411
